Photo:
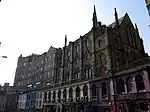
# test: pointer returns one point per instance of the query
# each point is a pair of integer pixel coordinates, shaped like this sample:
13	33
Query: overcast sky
32	26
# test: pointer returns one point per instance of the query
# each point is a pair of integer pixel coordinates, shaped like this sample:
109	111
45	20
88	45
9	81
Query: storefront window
143	106
49	95
104	91
54	95
121	87
129	83
94	90
70	93
139	83
59	94
45	96
65	94
77	92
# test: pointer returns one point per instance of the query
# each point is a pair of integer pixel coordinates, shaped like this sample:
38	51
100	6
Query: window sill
94	98
141	91
104	96
123	93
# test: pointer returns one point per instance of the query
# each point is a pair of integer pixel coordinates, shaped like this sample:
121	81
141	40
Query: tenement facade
80	75
36	71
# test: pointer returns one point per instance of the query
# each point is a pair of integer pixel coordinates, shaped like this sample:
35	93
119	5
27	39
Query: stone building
25	71
80	76
52	66
37	71
132	87
89	61
5	92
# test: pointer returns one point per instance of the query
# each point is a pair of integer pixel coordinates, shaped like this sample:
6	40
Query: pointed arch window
68	53
90	73
45	96
59	94
139	82
65	94
86	73
104	89
87	56
121	87
85	90
94	90
77	73
54	95
70	93
101	58
99	43
129	83
77	92
49	95
77	48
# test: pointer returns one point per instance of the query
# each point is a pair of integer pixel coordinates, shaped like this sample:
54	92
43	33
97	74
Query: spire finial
65	40
116	17
94	9
94	18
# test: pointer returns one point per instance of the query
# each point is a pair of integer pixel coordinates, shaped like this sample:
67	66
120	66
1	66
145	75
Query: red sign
112	108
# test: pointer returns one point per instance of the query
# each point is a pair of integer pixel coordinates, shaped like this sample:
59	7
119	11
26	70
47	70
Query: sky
32	26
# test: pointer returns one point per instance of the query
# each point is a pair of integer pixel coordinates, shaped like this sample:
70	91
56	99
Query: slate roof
120	21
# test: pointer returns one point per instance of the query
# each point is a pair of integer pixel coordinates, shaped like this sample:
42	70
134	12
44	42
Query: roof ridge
120	21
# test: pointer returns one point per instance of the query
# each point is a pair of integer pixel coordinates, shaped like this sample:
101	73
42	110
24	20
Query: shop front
133	103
